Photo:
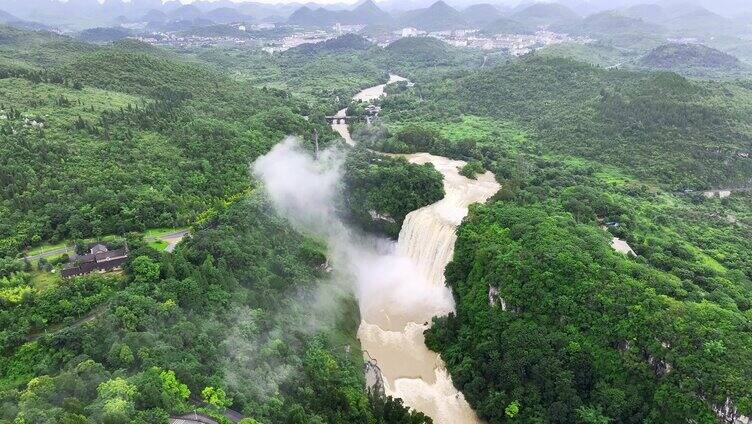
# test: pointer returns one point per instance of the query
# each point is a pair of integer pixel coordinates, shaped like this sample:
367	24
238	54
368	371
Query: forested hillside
109	141
121	139
382	191
552	324
694	60
327	74
657	126
244	309
330	72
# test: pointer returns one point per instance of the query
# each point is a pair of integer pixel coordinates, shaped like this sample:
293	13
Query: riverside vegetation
118	139
551	324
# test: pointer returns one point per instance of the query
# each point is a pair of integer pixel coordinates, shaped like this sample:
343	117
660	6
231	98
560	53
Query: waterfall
400	291
400	286
428	240
393	334
428	234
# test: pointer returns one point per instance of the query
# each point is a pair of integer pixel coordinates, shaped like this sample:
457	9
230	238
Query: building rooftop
98	248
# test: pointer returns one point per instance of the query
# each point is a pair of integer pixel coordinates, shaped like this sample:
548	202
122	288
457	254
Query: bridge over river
340	119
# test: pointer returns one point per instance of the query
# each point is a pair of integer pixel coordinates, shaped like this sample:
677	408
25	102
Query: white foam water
397	305
392	333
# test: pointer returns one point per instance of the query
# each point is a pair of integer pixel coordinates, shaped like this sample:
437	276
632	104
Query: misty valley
377	212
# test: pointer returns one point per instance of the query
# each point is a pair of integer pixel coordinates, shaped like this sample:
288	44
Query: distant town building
263	26
99	258
410	32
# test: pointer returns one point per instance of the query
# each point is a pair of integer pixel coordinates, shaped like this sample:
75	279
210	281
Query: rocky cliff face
730	414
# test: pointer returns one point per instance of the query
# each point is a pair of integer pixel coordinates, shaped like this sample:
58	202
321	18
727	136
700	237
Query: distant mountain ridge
545	14
6	17
481	14
676	56
610	23
76	14
185	13
648	12
695	18
366	13
10	20
226	15
437	17
698	21
507	26
154	15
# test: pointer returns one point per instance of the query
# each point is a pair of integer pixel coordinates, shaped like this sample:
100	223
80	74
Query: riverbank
365	95
391	329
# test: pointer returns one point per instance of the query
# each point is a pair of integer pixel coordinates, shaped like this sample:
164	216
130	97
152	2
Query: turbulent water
393	334
391	330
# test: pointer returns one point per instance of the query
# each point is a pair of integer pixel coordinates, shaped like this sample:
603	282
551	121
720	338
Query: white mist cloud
301	189
305	191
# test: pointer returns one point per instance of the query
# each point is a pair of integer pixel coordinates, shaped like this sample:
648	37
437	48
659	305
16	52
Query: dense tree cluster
381	191
550	317
657	126
242	316
88	162
330	73
552	324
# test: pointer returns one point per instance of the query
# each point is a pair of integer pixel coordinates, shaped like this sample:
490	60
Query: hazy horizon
327	2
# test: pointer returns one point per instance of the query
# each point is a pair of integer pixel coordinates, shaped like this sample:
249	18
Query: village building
411	32
371	113
99	259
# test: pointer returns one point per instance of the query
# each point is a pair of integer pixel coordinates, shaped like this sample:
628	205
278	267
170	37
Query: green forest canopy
662	337
552	324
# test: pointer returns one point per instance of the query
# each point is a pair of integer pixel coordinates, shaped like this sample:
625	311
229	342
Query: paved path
193	418
58	251
95	313
199	418
172	240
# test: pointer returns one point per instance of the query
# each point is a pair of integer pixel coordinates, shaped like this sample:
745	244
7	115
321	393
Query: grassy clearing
159	245
614	177
42	280
480	129
154	233
44	100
